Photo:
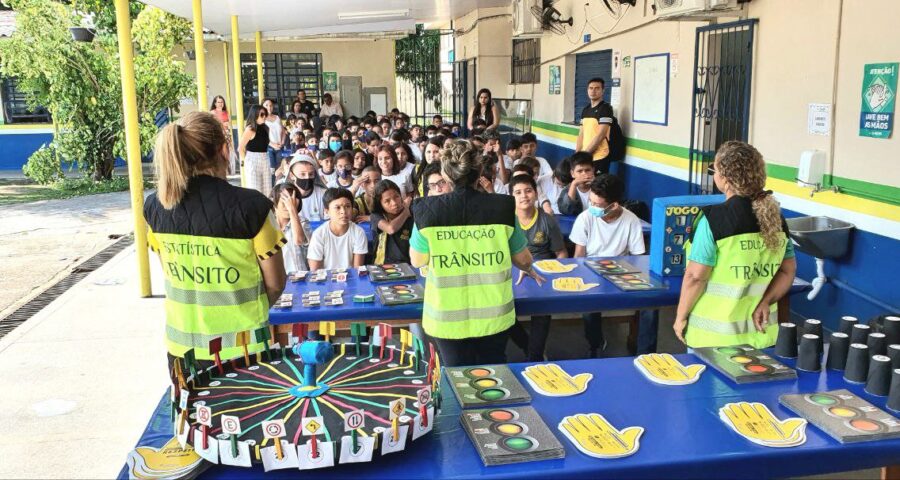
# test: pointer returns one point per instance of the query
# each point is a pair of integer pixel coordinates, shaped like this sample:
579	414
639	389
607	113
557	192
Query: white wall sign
818	120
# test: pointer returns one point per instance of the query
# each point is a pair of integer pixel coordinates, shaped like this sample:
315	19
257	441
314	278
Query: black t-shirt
591	119
260	141
391	248
308	108
603	112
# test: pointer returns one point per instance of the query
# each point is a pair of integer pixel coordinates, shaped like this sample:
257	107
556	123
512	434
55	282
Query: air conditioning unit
693	8
525	23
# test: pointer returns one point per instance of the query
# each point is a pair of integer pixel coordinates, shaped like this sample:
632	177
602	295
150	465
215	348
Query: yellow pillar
227	79
132	142
238	87
200	57
260	82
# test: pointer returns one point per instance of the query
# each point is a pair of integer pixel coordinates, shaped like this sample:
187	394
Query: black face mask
304	183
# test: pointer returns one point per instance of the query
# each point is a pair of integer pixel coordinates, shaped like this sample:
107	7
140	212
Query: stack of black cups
837	351
893	401
857	368
846	325
879	381
786	344
891	328
860	333
814	327
893	352
877	343
809	359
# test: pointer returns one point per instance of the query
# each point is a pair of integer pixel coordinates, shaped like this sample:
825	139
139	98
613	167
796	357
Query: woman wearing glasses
253	147
740	261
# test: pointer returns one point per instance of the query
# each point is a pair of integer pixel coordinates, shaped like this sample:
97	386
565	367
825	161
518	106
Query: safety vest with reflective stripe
722	316
468	290
214	289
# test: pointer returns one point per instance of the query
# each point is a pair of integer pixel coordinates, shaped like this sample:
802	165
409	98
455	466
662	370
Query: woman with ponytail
740	260
219	245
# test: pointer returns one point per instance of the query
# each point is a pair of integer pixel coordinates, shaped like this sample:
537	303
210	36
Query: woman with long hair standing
219	244
484	109
740	260
253	147
220	110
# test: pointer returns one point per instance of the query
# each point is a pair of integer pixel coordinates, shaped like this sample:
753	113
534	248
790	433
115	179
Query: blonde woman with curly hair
740	260
470	241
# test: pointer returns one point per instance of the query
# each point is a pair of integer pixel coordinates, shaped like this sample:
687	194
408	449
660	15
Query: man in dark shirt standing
596	121
306	106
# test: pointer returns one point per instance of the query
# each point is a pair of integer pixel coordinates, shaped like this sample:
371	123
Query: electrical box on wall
812	168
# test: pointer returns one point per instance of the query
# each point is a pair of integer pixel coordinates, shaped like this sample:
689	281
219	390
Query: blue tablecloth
684	436
530	298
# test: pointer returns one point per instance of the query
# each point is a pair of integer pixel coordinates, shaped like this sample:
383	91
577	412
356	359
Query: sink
821	237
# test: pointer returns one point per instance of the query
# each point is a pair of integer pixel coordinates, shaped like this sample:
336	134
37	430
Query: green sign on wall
879	92
329	81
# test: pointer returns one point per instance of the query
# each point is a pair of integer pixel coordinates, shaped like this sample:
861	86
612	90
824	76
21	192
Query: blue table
684	436
530	299
566	222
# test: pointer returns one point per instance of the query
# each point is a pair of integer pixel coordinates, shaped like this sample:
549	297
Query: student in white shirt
330	107
302	172
339	243
386	160
406	162
574	198
296	229
327	173
529	149
605	229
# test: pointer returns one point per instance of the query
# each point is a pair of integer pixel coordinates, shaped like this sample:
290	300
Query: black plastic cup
893	352
857	368
860	333
847	324
837	351
891	328
786	344
879	381
877	343
808	358
893	401
814	327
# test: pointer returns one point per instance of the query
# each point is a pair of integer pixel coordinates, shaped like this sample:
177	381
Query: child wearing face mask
302	173
343	170
605	229
327	173
335	142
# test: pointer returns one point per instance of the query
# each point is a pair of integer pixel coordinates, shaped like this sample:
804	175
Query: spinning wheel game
313	404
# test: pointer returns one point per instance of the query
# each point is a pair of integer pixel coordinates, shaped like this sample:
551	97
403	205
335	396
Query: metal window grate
284	74
526	60
35	305
15	107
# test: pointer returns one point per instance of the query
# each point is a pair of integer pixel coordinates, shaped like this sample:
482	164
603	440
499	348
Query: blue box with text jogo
673	220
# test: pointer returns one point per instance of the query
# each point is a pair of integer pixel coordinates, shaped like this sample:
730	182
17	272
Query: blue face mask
335	146
597	211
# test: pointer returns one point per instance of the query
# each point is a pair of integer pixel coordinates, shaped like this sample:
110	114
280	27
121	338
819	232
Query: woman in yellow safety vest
219	244
740	260
470	240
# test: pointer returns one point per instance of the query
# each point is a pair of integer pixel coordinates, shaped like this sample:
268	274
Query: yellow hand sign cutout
572	284
756	423
553	266
666	370
552	381
594	436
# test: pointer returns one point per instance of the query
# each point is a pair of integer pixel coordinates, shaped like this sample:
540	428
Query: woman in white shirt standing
276	134
330	107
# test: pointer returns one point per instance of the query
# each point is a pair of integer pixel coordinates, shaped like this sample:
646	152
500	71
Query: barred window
526	58
15	108
283	75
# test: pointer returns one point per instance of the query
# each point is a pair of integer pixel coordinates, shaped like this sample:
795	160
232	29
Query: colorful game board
400	294
630	282
843	415
320	403
606	266
484	385
505	435
391	272
745	364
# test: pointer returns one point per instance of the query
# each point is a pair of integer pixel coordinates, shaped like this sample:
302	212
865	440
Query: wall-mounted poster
555	80
651	89
329	81
879	90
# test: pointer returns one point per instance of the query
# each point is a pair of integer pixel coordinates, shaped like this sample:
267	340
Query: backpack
616	142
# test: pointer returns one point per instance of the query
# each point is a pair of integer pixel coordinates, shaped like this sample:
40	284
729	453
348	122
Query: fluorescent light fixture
373	14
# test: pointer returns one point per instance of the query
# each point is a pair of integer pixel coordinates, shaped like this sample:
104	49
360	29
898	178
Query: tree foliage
418	60
79	83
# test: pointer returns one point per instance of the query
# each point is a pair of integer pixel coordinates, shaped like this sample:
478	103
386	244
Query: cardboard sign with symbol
242	339
397	407
424	396
273	428
355	419
204	415
326	328
183	399
231	425
313	425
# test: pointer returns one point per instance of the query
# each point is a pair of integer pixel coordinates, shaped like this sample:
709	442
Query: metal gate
426	79
464	72
720	111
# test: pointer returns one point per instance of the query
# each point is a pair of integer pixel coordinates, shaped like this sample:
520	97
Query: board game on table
625	397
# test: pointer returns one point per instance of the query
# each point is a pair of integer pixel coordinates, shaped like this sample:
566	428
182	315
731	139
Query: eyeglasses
436	185
711	169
